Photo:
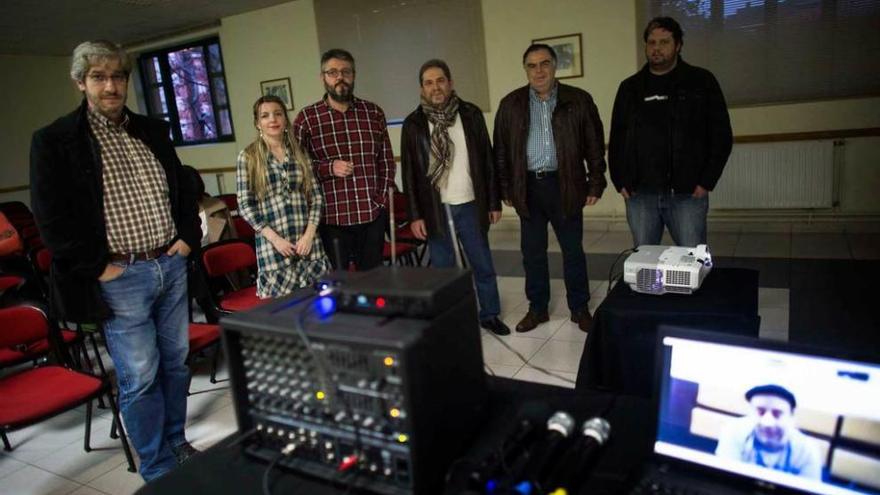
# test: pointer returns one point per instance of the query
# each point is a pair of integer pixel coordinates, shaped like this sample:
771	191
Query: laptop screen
760	410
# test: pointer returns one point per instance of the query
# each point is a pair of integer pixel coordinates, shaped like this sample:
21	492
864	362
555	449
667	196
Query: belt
142	256
541	174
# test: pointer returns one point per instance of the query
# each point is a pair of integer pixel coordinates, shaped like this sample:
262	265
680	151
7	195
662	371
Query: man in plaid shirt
348	141
110	204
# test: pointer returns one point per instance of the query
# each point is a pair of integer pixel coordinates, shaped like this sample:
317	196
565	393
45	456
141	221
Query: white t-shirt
459	187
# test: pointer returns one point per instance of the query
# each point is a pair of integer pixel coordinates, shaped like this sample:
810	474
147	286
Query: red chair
222	265
41	260
403	232
201	337
36	394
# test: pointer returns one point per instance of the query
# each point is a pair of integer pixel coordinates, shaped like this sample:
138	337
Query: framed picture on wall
569	54
280	88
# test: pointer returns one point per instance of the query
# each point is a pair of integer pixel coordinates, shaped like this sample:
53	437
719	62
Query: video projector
662	269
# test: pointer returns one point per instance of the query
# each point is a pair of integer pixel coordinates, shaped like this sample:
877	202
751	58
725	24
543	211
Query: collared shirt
459	186
542	149
358	135
137	211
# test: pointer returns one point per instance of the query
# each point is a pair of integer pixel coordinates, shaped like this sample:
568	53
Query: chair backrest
231	201
20	325
224	257
42	260
243	229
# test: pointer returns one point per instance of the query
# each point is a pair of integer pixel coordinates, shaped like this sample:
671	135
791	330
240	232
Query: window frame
172	116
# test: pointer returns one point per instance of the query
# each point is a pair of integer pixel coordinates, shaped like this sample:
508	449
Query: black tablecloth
224	469
619	354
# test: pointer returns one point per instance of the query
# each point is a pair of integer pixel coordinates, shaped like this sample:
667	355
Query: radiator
777	175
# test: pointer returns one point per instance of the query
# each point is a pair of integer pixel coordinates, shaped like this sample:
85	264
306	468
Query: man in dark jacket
544	132
446	159
119	223
670	139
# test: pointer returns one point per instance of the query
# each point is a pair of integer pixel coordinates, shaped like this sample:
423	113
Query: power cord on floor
530	365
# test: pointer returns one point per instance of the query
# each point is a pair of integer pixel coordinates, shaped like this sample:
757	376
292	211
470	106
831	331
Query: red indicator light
380	302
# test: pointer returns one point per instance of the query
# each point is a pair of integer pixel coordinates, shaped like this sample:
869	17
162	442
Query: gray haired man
119	222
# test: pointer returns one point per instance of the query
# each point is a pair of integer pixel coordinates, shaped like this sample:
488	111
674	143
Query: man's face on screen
773	420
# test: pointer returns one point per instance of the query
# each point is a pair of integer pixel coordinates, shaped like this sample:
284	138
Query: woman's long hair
257	155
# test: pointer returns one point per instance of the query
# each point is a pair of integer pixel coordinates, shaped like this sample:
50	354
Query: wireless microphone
542	456
573	468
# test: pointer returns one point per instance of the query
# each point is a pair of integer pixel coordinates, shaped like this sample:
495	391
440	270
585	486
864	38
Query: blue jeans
683	214
476	248
545	206
147	338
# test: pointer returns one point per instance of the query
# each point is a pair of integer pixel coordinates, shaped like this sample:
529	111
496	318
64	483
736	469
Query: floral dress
285	210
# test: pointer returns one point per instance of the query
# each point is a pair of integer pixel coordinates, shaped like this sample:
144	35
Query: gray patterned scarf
442	147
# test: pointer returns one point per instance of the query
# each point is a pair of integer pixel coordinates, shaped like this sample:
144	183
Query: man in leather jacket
544	133
446	159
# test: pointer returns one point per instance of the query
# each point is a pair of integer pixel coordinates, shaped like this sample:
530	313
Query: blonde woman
280	199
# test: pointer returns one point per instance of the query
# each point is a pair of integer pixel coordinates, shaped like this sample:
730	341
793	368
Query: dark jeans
683	214
476	248
545	205
148	341
362	243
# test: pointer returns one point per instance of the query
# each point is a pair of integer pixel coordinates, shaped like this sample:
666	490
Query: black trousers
545	206
361	243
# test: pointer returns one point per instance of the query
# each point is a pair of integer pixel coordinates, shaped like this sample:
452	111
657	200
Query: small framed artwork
280	88
569	54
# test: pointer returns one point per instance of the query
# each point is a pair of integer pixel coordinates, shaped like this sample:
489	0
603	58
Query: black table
224	469
619	354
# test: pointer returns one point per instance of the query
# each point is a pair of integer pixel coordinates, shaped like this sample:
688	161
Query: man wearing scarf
446	158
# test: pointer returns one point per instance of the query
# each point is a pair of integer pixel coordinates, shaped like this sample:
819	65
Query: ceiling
55	27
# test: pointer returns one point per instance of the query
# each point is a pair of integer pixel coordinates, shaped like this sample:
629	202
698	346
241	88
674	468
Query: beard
341	92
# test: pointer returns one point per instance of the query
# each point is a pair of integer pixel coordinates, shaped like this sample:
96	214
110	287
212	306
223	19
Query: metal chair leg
117	420
6	445
86	446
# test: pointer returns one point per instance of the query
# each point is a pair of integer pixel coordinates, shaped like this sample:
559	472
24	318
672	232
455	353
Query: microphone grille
562	422
597	428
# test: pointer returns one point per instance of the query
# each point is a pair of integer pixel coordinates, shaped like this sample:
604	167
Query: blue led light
325	306
362	300
523	487
491	486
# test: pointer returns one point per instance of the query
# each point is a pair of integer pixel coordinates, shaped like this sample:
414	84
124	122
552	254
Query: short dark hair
539	46
667	23
337	53
774	390
430	64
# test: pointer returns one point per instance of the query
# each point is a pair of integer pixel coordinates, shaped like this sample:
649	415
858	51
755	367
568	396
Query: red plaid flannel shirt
359	135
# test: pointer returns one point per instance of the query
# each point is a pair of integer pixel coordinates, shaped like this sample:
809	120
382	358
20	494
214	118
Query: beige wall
36	91
281	41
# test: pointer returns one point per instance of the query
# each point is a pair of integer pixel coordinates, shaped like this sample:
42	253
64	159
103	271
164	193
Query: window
186	86
770	51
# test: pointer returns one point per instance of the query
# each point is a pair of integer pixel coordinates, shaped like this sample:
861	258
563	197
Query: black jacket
67	197
423	199
701	134
578	135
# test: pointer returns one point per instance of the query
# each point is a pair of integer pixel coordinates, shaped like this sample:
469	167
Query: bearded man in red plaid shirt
347	138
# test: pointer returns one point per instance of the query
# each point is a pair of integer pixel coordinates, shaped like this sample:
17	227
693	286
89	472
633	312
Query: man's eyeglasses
334	73
103	78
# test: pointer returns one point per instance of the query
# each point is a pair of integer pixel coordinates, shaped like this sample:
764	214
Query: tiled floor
48	458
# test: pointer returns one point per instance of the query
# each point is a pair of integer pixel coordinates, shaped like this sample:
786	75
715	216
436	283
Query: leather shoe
495	326
583	319
531	320
184	452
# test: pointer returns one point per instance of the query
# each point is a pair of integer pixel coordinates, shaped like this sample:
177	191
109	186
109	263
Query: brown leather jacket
578	134
423	199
